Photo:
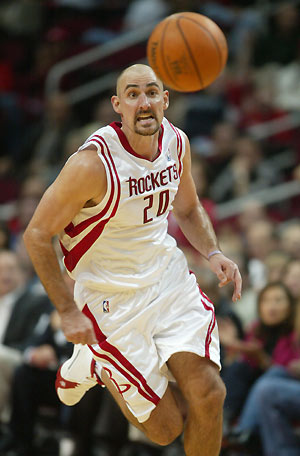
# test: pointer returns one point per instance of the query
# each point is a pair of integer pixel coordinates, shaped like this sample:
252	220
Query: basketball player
139	320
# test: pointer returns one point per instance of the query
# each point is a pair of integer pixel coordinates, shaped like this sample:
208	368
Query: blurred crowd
245	141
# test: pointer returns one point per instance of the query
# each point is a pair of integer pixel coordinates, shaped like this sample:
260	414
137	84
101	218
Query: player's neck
145	146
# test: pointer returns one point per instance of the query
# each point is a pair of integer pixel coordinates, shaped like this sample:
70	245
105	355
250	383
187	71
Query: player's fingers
225	275
237	285
224	282
221	276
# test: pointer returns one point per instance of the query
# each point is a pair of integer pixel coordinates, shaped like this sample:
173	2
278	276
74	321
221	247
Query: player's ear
166	100
116	104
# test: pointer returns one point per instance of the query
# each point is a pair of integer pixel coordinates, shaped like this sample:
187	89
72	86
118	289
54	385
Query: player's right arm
82	180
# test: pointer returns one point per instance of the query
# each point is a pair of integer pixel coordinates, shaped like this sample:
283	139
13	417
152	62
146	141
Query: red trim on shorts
179	146
124	141
212	323
72	230
139	381
94	373
73	256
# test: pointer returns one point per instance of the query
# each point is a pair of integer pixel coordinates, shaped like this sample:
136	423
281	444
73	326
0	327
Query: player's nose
144	102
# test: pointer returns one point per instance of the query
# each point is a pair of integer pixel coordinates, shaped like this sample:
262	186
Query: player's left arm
197	227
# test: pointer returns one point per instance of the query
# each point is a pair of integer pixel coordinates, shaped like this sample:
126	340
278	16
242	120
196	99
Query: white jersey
122	243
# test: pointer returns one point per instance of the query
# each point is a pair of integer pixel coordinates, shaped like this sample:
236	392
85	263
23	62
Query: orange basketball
187	51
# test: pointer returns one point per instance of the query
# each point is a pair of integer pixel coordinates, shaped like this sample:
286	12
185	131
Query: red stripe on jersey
139	381
124	141
173	128
179	146
75	254
72	230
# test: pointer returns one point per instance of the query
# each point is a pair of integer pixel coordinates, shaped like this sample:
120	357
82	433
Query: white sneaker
77	375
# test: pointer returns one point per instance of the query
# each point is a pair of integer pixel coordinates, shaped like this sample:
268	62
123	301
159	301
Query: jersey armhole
107	173
89	143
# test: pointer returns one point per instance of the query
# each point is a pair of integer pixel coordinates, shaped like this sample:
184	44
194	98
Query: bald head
137	70
140	101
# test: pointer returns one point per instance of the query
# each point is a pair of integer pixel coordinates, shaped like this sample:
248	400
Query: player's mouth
144	119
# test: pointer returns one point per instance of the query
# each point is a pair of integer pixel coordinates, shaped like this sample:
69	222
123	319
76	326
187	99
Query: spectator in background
276	309
4	236
138	10
246	172
205	109
31	191
290	239
52	46
260	241
102	115
33	385
217	149
279	41
241	20
45	140
276	263
34	380
257	109
21	18
9	183
272	403
11	120
20	311
253	211
73	141
278	409
291	278
286	80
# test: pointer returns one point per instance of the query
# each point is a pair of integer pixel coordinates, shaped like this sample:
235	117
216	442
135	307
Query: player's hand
77	328
227	271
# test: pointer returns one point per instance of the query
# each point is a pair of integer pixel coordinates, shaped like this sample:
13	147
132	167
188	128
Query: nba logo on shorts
105	306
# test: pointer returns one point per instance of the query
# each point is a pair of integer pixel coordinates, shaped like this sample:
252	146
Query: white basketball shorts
139	331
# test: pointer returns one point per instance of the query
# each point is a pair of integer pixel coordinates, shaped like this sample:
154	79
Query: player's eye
132	94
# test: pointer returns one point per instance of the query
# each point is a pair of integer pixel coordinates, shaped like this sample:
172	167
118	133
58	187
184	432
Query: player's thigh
197	377
166	415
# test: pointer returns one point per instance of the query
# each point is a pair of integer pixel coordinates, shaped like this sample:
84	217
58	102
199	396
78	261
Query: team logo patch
105	306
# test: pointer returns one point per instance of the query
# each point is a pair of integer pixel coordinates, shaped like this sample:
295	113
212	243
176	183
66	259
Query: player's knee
164	433
211	398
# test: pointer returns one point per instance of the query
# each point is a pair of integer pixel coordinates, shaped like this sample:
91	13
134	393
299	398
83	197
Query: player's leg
165	423
200	383
80	373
